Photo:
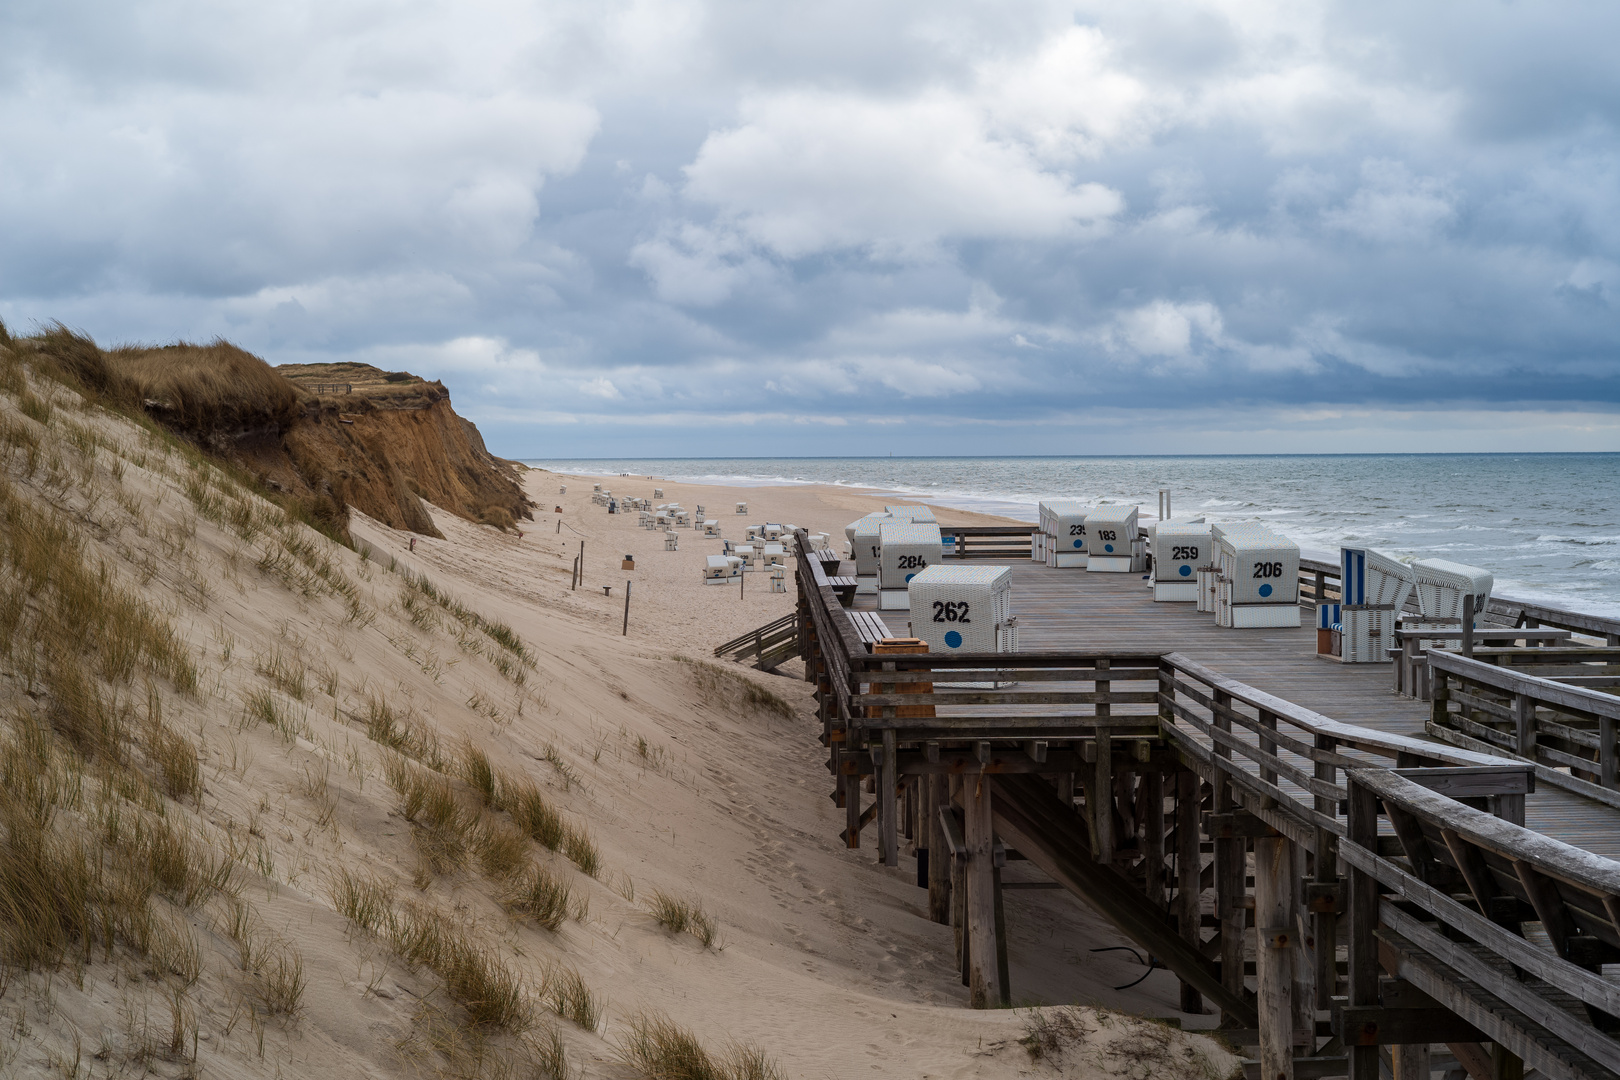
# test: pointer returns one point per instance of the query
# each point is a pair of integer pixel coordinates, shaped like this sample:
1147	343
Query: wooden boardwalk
1079	611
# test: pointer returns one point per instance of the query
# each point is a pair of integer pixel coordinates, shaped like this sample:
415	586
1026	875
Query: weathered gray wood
1188	876
1411	1061
940	856
1362	902
1590	988
1478	1003
983	980
1549	1015
889	841
1475	781
1324	924
1517	682
1276	938
1550	856
1003	976
1152	794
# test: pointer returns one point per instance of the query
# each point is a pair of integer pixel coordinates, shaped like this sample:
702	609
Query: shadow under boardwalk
1078	610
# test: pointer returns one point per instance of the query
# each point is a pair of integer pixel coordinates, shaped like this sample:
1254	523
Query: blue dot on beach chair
953	639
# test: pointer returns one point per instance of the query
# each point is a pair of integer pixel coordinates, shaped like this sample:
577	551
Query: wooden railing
1319	583
1248	770
987	541
1505	710
1462	885
769	645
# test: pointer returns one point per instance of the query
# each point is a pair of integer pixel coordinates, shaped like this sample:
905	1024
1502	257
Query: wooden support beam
888	838
1325	919
1362	829
1188	881
1380	1025
939	865
1003	979
1230	874
1101	787
1275	941
984	988
1152	797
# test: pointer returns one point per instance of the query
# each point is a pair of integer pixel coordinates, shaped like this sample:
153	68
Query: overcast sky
757	228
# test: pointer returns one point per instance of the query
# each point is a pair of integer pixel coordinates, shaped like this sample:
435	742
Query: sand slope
699	780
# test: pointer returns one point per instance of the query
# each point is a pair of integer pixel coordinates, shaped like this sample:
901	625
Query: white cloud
807	172
1392	206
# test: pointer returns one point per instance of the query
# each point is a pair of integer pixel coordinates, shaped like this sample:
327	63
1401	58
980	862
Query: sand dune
339	709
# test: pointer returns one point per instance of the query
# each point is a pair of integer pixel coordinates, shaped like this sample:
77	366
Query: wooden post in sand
626	631
888	768
984	984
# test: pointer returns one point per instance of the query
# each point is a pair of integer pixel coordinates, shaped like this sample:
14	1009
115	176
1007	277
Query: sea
1546	525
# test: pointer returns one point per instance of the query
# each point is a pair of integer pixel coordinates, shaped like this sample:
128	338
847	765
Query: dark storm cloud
713	226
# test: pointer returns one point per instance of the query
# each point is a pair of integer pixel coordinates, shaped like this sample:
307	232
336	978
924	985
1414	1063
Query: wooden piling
1274	947
939	865
1188	913
984	990
1231	868
1152	794
888	839
1102	779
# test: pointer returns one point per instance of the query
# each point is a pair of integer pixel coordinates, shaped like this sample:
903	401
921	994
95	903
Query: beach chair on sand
754	534
742	508
779	580
658	493
717	570
745	552
701	514
711	528
773	532
671	540
773	556
682	518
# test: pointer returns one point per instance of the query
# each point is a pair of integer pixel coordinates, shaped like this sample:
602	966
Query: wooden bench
869	627
845	588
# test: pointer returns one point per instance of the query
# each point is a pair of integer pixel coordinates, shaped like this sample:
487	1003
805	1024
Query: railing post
1524	725
1362	830
1268	746
888	776
1325	923
1275	933
1607	750
1101	790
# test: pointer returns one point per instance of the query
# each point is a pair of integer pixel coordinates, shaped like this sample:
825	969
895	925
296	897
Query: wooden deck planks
1075	609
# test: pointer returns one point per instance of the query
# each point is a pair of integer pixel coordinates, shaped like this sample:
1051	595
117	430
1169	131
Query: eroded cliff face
327	436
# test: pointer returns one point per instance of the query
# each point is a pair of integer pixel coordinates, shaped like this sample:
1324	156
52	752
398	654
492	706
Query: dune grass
684	917
661	1049
541	897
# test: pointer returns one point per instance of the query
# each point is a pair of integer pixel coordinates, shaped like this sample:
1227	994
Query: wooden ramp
1078	611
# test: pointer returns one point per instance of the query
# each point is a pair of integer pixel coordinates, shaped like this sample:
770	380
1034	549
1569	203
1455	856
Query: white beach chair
700	512
742	508
711	528
717	570
905	549
745	552
779	580
658	493
773	555
671	540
